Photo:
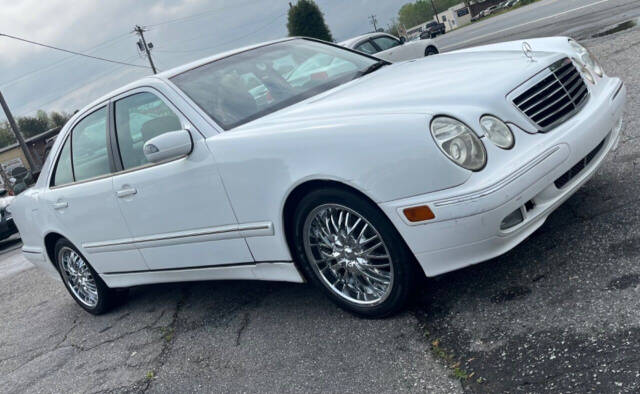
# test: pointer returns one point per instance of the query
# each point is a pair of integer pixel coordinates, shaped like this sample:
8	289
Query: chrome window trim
67	135
184	120
185	123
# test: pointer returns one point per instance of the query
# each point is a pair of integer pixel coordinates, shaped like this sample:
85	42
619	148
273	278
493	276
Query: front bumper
467	228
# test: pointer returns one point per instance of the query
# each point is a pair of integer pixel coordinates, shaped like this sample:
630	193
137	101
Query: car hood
430	85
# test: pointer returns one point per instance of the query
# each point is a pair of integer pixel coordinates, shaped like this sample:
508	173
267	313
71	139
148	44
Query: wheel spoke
77	275
342	245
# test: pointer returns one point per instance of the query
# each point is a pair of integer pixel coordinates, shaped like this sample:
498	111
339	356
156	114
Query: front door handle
126	192
60	205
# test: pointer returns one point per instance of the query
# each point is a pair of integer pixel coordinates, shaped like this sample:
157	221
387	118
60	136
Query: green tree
412	14
33	125
6	135
305	19
393	27
58	119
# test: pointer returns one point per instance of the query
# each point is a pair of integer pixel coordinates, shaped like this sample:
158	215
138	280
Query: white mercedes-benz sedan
299	160
391	48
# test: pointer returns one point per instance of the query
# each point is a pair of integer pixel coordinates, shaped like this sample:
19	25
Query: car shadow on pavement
558	312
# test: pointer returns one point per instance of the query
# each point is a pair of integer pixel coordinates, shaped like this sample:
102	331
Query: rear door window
385	42
63	173
367	47
89	146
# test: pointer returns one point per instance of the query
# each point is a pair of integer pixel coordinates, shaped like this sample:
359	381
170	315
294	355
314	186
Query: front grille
577	169
556	98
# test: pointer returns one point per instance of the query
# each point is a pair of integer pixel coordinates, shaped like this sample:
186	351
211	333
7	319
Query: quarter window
139	118
385	42
367	47
63	173
89	146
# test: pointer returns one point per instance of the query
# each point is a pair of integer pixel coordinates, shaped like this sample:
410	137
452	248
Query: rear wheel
430	51
351	251
82	282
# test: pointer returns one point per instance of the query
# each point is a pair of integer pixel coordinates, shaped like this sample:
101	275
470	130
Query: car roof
352	41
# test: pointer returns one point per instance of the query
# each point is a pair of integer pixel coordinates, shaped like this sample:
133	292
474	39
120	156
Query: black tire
431	50
107	297
404	267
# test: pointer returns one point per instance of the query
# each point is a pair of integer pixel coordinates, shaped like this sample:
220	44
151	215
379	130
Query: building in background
453	18
11	156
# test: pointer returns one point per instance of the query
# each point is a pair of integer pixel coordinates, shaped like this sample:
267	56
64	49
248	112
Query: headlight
586	58
497	131
459	143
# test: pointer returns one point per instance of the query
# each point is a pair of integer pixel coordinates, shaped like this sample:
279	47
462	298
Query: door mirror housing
167	146
402	40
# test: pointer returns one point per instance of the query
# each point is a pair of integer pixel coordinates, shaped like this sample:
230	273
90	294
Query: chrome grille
556	98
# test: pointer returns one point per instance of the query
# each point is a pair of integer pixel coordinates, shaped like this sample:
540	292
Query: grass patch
167	333
150	375
449	359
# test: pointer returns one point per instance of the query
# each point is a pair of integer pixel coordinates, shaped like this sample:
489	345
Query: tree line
32	125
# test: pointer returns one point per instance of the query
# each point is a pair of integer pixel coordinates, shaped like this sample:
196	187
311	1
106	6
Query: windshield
252	84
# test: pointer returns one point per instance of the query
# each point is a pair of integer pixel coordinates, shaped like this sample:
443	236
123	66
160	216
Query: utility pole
374	22
33	166
435	11
5	181
143	46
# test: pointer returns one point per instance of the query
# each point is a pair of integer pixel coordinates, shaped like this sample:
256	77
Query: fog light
513	219
419	214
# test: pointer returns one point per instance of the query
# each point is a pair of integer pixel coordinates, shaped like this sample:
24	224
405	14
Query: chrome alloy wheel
348	254
77	274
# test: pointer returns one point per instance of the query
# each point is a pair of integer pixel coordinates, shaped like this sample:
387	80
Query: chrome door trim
230	231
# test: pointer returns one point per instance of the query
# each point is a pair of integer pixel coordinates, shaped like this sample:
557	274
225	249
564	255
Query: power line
227	42
72	52
61	61
199	14
59	95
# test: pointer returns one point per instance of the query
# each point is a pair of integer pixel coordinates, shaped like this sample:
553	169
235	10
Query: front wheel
352	251
82	282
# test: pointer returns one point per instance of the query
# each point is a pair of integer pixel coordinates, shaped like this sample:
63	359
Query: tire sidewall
402	262
427	52
104	292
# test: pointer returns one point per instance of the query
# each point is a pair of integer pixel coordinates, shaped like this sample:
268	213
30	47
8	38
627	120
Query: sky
33	78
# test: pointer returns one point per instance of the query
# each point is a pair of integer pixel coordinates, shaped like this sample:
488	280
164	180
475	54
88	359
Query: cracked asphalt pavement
561	312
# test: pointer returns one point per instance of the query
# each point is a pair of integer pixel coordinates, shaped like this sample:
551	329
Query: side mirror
402	40
168	146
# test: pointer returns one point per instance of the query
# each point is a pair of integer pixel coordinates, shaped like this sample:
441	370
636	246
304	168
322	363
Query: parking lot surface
561	312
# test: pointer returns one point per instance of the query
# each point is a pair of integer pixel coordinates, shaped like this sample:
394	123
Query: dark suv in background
432	29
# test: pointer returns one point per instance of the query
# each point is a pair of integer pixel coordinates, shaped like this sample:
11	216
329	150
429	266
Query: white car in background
390	48
347	171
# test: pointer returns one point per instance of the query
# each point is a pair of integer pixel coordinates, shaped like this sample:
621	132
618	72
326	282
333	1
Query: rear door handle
130	191
60	205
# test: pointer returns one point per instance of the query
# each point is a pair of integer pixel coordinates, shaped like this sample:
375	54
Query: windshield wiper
375	66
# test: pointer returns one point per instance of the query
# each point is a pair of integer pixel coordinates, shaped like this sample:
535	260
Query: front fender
390	157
